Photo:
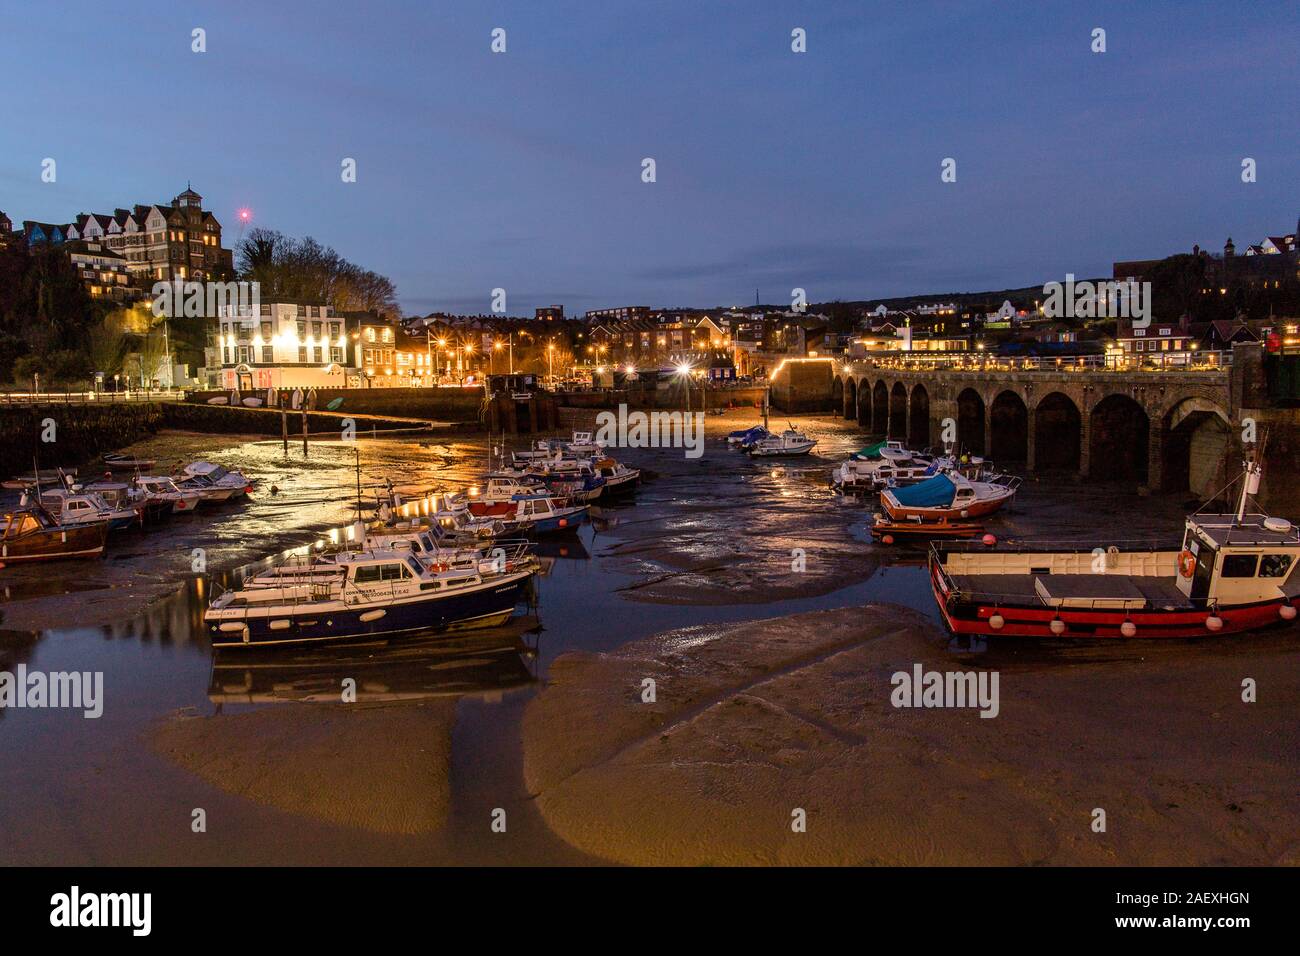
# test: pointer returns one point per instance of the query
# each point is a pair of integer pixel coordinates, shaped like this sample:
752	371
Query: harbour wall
702	399
431	404
66	435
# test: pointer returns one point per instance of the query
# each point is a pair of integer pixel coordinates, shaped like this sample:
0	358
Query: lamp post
550	363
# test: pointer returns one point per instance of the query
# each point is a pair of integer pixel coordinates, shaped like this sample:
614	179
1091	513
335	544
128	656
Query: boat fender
564	522
279	625
1057	626
990	540
1128	629
1286	612
887	539
965	513
996	622
1214	622
375	615
1186	563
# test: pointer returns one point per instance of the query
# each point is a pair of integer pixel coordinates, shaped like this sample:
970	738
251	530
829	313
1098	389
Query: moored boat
31	533
950	496
1233	573
379	593
790	442
119	462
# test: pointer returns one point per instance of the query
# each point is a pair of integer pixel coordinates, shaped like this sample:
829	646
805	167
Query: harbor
749	588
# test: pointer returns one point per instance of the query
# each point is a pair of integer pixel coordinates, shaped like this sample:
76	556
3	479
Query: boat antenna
1251	476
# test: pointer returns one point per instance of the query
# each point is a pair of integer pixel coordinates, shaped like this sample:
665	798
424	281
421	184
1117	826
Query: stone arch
898	411
1196	440
1008	427
918	430
1058	433
862	414
880	408
1119	439
844	396
970	421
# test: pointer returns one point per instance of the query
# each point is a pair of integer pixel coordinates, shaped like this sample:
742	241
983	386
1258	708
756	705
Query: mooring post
304	431
284	427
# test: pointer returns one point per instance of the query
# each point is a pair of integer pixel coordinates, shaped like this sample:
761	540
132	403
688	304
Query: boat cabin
1229	561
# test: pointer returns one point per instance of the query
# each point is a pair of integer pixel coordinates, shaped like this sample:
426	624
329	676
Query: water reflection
484	664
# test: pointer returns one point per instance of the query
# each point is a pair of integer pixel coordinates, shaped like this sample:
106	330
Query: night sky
774	169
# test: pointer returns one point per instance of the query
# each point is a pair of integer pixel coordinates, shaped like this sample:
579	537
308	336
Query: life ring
1186	564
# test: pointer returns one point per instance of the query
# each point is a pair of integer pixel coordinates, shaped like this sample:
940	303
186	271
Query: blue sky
522	170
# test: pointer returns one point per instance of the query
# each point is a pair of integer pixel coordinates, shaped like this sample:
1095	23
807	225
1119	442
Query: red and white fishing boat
1234	572
949	496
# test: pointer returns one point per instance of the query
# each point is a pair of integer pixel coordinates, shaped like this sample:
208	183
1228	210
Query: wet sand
382	769
756	720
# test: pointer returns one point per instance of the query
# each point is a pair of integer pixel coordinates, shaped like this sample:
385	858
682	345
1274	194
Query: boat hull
976	509
56	544
975	617
306	624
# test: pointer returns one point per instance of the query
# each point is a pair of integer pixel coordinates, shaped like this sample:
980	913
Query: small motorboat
162	488
116	462
215	476
31	533
543	514
746	438
619	478
583	446
949	496
789	442
378	593
865	475
46	476
496	499
73	508
916	529
1232	573
125	495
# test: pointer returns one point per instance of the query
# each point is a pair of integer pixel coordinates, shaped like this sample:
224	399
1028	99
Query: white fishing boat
216	476
583	445
162	488
378	593
865	475
73	508
789	442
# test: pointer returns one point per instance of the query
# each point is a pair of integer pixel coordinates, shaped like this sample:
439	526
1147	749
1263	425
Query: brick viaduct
1140	425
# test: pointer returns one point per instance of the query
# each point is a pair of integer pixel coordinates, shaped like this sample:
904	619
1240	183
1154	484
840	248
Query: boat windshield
217	473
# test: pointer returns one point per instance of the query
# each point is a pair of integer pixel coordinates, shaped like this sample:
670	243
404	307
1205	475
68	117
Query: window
1239	565
302	353
268	354
368	574
336	355
1274	565
317	358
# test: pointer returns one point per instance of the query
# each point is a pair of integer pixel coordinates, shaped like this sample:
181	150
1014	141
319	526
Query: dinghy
948	496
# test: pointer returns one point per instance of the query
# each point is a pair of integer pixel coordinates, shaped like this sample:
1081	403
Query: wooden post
284	427
304	431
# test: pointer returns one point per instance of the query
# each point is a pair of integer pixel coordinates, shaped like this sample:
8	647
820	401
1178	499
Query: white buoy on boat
996	622
1057	626
1128	628
1214	622
1286	612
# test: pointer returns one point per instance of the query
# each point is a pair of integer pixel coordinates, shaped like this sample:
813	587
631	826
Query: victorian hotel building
294	345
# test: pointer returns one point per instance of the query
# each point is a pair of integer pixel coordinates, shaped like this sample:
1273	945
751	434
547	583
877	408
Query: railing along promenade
982	362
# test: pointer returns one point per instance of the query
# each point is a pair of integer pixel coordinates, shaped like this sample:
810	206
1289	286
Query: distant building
102	270
6	229
549	313
1159	342
157	243
626	313
286	345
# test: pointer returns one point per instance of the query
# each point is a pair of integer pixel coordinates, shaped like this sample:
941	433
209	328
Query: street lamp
550	362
